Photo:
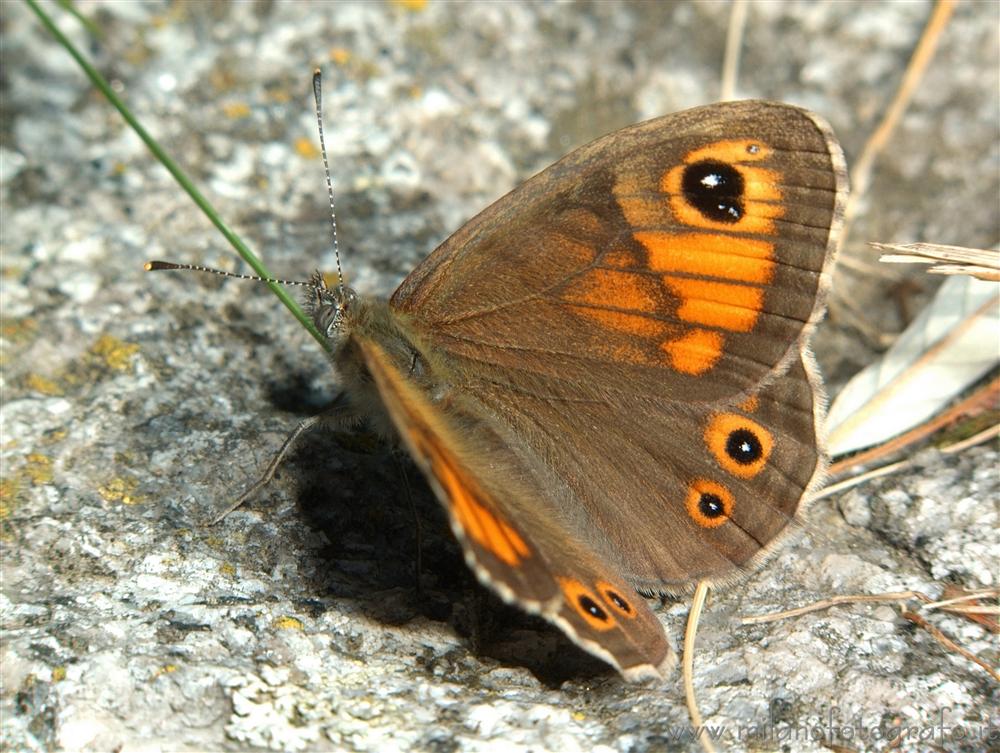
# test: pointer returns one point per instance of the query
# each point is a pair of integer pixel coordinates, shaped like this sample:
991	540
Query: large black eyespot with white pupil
711	505
715	189
743	446
592	608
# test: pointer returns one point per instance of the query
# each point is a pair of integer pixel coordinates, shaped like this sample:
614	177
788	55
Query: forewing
680	259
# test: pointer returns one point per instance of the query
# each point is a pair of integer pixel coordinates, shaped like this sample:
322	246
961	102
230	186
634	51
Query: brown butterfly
606	376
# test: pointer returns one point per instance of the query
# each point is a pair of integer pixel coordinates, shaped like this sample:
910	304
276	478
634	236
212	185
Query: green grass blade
241	248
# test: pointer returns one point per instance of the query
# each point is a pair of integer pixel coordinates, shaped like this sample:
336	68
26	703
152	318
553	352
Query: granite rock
134	406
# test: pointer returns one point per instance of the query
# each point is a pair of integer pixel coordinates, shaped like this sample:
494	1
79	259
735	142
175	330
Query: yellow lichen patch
43	385
288	623
18	330
305	147
222	78
236	110
39	469
9	487
117	354
411	5
279	96
58	674
56	435
228	569
166	669
215	542
121	489
340	55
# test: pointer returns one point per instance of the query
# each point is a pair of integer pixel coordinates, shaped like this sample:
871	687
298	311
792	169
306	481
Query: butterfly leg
418	565
339	412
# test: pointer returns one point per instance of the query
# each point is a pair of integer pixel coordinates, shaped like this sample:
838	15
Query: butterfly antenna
156	266
318	96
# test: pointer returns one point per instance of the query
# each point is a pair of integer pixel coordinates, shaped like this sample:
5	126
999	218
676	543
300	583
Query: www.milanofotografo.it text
832	725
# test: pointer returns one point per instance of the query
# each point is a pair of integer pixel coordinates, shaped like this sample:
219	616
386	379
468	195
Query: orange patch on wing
710	255
619	258
433	446
623	290
731	151
695	352
717	304
642	210
479	522
620	321
758	218
750	405
586	604
724	430
761	184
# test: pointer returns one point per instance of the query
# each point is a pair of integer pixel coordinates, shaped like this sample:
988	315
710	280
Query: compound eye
327	319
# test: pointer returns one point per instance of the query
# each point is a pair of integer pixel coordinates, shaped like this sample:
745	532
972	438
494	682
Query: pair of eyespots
600	608
742	448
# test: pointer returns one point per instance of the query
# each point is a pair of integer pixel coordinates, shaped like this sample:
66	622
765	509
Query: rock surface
134	406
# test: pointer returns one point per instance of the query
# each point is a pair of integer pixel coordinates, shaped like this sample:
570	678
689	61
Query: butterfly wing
523	556
633	323
681	259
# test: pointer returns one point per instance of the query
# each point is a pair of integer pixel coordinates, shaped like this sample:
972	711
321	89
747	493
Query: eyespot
724	186
587	605
709	504
715	189
615	600
741	446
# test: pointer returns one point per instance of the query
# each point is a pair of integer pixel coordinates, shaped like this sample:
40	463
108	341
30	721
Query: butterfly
605	375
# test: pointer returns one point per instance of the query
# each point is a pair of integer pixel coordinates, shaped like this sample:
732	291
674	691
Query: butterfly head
330	308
